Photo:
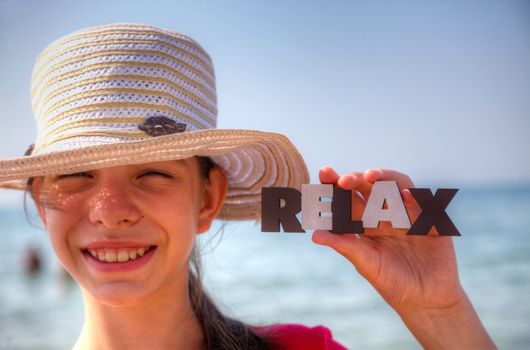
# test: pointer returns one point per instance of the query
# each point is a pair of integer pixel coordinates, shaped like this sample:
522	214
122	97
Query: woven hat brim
252	160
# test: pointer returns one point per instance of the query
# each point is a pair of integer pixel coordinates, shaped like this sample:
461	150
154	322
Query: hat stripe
220	141
150	107
122	118
263	175
184	55
186	95
121	91
121	135
133	122
55	78
124	55
183	41
244	168
122	58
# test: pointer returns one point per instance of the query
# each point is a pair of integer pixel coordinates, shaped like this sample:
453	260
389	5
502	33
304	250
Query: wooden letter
341	209
385	192
273	214
433	212
312	207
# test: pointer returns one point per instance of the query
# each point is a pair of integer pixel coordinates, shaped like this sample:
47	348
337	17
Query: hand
410	272
416	275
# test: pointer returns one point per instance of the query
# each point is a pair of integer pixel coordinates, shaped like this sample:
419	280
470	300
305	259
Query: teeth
123	256
112	256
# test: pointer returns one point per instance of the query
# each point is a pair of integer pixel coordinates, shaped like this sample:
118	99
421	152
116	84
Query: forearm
455	327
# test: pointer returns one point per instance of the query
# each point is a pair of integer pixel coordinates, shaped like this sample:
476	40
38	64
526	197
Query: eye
155	173
72	182
74	175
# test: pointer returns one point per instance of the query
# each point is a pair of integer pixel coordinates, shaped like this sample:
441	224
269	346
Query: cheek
59	224
178	208
177	216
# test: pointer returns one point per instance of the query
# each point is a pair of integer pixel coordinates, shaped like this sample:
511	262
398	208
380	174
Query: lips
118	256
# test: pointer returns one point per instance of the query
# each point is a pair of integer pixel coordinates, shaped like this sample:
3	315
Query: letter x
433	212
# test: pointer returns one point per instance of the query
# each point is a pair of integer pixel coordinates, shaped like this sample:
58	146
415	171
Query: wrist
441	310
455	325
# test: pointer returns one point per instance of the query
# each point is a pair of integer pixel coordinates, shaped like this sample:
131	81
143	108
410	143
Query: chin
119	293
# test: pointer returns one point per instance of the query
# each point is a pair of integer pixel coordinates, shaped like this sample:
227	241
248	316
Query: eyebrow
182	162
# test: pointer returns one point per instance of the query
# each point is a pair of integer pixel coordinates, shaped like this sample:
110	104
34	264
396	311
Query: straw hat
130	94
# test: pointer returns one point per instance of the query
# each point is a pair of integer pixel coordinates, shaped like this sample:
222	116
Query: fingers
359	250
407	196
328	175
348	182
402	180
355	181
361	185
404	183
358	203
346	245
363	181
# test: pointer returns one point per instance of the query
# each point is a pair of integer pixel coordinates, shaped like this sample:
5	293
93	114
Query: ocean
263	278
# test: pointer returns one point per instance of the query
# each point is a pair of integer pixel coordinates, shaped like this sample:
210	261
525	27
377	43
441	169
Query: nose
112	208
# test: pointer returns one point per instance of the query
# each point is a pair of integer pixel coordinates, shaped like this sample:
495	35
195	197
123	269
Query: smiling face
125	233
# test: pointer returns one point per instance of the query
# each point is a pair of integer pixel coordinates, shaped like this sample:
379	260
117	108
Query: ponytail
220	332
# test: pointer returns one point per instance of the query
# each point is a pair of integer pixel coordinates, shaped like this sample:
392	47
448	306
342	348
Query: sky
439	90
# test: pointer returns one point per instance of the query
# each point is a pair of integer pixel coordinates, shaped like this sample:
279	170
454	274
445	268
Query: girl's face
125	233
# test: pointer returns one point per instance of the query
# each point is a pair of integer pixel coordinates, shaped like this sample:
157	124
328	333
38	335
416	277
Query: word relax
280	205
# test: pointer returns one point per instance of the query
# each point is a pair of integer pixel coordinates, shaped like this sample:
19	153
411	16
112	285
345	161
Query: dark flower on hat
158	126
29	150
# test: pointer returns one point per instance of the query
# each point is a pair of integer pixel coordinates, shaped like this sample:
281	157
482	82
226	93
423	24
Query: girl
128	168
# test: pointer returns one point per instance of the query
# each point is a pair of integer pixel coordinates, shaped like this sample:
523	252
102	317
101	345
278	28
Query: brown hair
220	332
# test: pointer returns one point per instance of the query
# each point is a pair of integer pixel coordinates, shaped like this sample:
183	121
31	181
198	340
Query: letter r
273	214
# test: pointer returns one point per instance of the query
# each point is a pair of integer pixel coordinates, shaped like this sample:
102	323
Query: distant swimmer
32	261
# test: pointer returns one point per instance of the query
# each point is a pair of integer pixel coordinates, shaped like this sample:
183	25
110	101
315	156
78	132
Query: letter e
312	207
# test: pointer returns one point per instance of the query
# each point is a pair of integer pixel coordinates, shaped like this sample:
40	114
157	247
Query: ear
36	194
214	193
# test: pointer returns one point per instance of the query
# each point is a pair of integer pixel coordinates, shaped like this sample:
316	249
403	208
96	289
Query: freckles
63	201
103	200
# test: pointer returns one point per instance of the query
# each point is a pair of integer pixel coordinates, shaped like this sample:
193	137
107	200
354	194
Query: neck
164	323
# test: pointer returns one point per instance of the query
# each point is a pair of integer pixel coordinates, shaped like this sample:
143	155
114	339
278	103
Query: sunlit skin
161	205
164	206
416	275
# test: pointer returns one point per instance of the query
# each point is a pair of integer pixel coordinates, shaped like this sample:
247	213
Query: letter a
385	191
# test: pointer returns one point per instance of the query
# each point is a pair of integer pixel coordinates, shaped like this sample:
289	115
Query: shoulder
291	336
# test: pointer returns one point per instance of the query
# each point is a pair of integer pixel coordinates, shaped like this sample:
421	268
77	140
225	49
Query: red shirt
289	336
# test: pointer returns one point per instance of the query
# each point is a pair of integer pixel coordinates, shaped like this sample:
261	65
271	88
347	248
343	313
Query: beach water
267	277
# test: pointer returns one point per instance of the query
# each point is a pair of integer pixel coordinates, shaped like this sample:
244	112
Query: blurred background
439	90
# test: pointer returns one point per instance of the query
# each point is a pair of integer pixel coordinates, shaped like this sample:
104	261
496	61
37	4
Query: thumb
358	250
